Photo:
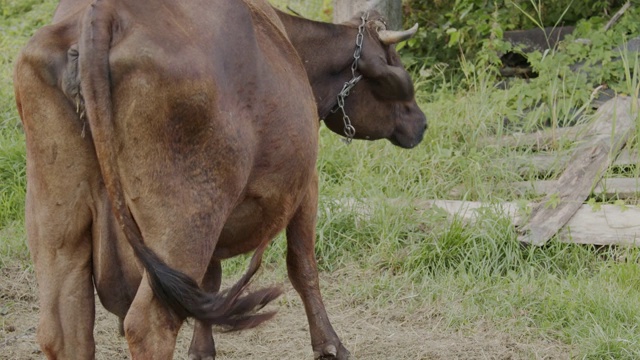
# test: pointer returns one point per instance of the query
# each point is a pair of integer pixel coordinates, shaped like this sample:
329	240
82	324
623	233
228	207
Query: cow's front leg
303	273
202	345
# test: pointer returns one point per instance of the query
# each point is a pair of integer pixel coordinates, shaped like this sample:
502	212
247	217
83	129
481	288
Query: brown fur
201	142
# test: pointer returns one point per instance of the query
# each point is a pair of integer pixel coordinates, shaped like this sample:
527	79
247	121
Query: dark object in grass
515	62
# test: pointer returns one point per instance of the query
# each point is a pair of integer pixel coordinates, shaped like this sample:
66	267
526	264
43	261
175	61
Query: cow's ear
388	82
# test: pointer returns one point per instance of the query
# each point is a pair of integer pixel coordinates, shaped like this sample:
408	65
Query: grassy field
474	277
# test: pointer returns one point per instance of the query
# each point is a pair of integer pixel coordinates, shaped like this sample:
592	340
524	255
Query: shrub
464	28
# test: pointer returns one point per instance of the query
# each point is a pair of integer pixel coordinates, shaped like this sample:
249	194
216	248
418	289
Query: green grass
18	20
12	176
470	273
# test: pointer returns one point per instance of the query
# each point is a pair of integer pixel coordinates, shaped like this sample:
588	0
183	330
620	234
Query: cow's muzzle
409	135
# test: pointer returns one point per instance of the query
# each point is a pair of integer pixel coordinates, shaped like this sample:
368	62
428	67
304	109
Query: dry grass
399	328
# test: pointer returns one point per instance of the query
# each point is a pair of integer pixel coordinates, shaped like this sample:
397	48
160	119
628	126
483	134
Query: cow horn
389	37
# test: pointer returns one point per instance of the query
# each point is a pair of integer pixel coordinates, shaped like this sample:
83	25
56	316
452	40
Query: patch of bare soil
395	331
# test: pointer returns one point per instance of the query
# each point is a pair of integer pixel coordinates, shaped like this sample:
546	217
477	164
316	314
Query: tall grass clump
19	19
12	178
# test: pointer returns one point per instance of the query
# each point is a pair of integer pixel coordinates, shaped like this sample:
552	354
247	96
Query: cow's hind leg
303	273
60	245
202	345
58	216
150	328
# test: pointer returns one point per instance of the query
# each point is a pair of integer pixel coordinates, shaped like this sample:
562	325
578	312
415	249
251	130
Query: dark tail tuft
227	309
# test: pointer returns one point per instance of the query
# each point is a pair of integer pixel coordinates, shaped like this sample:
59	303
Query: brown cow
201	141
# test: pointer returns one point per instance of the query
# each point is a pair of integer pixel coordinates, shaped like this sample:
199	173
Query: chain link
349	130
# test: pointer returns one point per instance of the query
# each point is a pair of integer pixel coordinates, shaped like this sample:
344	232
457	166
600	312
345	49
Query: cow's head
382	104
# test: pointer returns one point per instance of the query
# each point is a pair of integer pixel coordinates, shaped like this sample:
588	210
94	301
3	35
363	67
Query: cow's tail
173	288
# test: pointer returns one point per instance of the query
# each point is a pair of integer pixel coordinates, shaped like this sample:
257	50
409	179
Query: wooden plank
545	163
627	158
609	225
539	164
607	188
539	187
469	210
540	140
618	188
607	136
605	225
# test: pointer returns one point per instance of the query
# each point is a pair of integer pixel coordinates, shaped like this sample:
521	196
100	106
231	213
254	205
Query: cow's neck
326	51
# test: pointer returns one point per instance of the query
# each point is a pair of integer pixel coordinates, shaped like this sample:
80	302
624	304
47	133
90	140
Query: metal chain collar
349	130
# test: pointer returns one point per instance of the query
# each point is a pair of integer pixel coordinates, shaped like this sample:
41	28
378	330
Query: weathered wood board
610	225
604	140
607	188
595	225
469	210
537	141
604	225
544	163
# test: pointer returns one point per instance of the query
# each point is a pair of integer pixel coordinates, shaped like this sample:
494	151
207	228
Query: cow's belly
257	219
251	223
116	273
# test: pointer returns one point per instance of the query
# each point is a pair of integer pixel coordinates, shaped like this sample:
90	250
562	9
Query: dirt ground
393	331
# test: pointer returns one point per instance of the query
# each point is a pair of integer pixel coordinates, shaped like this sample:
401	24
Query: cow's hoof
201	357
330	352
